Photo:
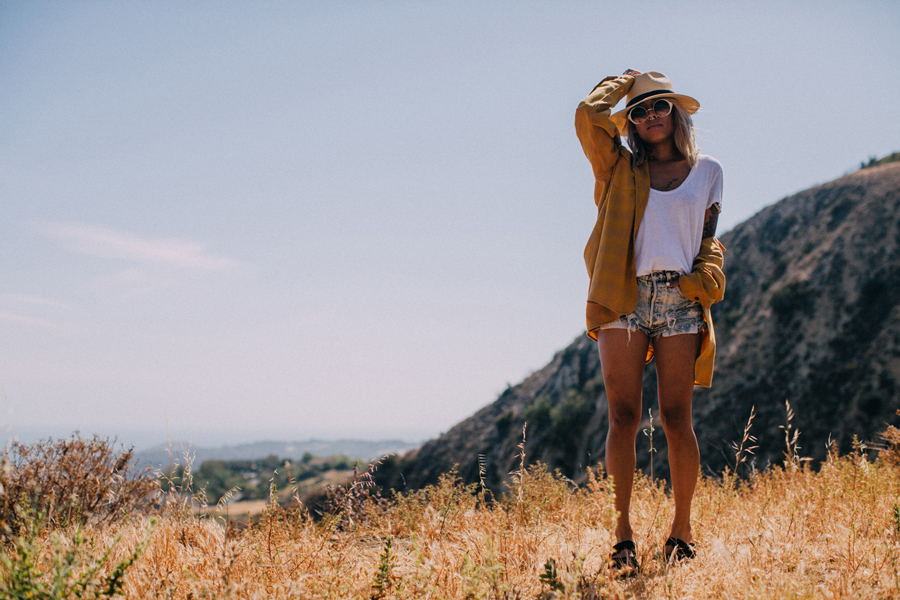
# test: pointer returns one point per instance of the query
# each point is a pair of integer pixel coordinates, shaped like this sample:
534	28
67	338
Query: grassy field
787	532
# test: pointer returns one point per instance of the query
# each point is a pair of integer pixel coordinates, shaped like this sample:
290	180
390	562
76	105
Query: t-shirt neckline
680	185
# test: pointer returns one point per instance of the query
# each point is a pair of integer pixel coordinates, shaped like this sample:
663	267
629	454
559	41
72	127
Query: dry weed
71	481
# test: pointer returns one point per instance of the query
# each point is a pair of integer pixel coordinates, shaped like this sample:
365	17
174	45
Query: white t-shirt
671	229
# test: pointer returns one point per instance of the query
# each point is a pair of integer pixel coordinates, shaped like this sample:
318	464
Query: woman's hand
611	77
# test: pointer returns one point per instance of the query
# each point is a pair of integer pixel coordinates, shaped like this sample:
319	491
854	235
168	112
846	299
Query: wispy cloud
25	320
133	282
110	243
25	303
34	300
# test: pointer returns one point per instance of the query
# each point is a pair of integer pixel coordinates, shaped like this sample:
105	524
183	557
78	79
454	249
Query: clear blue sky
274	220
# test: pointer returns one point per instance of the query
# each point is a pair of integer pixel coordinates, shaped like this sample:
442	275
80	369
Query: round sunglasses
639	114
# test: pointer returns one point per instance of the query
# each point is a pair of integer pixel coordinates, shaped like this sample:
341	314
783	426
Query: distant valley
164	455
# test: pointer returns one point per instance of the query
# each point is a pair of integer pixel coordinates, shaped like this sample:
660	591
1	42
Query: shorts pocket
681	297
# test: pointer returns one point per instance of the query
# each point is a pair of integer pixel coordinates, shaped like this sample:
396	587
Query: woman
655	268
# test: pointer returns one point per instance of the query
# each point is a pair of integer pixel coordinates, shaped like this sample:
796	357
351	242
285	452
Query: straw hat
651	84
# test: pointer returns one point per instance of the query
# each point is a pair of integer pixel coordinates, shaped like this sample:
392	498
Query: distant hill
162	456
811	315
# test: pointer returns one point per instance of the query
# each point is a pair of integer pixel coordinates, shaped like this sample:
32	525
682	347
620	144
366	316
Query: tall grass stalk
649	433
742	449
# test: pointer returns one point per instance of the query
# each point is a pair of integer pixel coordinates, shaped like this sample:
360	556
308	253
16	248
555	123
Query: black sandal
626	564
676	549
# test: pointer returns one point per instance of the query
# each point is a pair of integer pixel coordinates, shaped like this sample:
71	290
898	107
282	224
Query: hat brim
686	103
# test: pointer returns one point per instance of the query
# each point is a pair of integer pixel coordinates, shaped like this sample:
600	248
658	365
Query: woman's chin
655	137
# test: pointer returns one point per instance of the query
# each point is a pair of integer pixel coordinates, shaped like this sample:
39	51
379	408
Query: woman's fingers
611	77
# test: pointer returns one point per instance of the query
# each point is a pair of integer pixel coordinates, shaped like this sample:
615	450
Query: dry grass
788	532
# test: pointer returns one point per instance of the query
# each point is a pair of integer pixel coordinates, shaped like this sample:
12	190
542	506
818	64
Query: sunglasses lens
638	115
662	107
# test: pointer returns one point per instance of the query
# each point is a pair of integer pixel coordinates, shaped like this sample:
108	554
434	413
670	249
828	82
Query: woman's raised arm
598	135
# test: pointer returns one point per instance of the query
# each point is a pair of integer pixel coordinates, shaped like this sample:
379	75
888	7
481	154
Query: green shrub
569	418
538	414
504	422
795	296
68	570
560	425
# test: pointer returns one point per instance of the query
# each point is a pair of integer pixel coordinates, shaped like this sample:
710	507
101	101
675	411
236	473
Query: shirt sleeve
715	188
598	134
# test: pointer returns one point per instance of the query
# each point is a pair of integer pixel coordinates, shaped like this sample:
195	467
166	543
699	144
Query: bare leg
622	362
675	356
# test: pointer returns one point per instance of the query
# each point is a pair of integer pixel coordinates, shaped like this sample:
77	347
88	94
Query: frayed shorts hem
625	323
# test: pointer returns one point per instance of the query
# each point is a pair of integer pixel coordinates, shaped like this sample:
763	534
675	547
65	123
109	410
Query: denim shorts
661	310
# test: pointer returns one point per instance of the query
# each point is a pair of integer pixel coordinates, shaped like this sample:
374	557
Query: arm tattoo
712	219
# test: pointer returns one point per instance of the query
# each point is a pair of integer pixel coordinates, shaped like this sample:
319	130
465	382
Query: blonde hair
684	138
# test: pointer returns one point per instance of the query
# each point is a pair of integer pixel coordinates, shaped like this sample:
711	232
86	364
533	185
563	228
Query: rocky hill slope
811	315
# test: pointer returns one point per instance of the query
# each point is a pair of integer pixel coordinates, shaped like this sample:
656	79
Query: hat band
642	97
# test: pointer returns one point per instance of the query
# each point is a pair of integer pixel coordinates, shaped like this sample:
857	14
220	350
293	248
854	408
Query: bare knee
624	419
676	421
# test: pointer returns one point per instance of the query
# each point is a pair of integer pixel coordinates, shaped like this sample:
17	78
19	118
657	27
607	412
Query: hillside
811	315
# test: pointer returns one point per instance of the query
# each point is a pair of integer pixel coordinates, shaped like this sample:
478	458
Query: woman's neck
665	152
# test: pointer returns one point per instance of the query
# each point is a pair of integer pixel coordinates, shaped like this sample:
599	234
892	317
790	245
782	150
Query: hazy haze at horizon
300	219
